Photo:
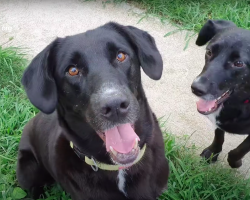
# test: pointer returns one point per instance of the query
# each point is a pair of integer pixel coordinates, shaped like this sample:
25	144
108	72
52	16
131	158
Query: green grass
190	178
12	62
15	111
193	179
192	14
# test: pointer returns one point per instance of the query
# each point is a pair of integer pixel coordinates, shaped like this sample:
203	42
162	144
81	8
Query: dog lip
223	97
209	111
127	158
219	101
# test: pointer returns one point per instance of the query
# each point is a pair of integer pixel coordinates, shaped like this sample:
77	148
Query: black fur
71	107
228	45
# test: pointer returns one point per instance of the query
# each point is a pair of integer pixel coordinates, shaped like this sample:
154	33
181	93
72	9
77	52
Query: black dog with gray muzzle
96	135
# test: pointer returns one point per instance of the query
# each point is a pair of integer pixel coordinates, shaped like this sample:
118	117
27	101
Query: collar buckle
95	166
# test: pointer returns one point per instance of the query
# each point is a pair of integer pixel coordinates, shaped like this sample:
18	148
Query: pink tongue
121	138
204	106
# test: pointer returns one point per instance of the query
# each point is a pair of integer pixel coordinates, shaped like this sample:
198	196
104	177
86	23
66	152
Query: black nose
115	107
199	88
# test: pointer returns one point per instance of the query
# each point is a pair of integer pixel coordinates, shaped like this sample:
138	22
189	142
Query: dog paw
209	155
234	164
233	160
36	192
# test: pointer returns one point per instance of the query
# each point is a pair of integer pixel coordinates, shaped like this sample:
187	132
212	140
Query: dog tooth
113	151
136	143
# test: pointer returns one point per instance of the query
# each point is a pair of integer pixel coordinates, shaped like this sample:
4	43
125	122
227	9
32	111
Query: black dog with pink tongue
223	86
89	91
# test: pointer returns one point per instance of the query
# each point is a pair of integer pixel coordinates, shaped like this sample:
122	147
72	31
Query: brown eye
73	71
238	64
209	53
121	57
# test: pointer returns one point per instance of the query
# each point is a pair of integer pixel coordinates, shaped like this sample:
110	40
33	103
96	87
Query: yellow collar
98	165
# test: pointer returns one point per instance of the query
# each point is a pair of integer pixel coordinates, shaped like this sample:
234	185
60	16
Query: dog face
225	76
95	78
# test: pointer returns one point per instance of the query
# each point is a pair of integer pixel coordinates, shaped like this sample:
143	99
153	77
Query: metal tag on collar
94	167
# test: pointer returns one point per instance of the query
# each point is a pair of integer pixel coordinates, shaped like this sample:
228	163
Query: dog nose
198	87
114	108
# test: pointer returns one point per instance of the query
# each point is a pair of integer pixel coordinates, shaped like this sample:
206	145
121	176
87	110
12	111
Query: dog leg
235	156
215	148
30	175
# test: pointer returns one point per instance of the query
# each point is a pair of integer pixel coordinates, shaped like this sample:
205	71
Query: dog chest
214	116
122	181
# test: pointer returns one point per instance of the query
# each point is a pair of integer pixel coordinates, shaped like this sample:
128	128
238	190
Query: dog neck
96	165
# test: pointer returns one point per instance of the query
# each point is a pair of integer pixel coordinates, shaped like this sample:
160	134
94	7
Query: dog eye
238	64
73	71
121	57
209	52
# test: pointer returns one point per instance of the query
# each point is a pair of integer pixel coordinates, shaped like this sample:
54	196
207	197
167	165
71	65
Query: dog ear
144	44
211	28
147	52
38	80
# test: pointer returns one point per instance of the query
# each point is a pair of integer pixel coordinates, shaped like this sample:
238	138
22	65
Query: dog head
226	74
94	77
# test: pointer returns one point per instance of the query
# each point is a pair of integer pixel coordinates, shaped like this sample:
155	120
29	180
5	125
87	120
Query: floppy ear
144	44
211	28
38	80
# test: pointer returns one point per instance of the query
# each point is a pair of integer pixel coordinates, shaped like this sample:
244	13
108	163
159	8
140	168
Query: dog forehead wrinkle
101	35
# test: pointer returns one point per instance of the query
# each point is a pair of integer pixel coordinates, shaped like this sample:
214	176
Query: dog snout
199	86
111	105
115	106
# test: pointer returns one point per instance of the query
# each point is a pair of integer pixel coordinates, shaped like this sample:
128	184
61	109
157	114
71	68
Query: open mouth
207	107
121	143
